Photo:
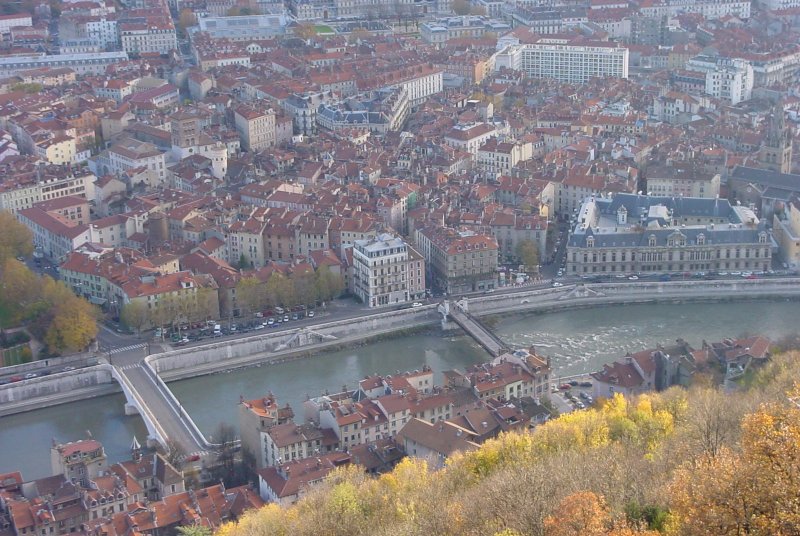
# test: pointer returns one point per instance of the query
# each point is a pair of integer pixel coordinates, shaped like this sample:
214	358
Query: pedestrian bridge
458	312
166	421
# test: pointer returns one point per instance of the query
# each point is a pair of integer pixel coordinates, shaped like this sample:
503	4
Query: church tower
776	153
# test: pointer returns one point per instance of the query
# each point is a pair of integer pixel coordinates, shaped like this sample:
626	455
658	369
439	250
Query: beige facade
256	128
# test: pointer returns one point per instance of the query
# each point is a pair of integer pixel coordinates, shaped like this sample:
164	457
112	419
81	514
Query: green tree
280	290
135	316
250	294
195	530
16	240
27	88
528	255
329	284
305	288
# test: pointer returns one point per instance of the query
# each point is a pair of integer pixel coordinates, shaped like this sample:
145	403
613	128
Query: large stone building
256	127
634	233
387	271
459	261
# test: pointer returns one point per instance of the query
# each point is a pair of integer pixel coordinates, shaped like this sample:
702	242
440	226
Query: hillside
696	462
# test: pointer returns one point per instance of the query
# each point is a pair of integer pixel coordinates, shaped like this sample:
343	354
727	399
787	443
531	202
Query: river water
577	341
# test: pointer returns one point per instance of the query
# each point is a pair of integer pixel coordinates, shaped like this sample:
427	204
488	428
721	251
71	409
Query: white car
416	304
557	284
633	278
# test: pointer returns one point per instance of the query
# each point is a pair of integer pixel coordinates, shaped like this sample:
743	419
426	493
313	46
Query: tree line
696	462
305	288
48	308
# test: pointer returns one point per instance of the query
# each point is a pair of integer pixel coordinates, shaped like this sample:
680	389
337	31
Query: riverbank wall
279	346
600	294
46	391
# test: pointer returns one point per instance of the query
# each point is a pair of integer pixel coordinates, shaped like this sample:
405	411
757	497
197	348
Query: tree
359	34
30	88
528	255
280	290
134	315
329	284
305	288
752	492
20	287
461	7
586	514
244	262
224	436
16	240
250	294
74	324
186	19
175	454
305	31
195	530
477	10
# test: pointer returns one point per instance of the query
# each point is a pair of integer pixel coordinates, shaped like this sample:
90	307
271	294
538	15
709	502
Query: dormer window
701	239
651	241
762	238
590	242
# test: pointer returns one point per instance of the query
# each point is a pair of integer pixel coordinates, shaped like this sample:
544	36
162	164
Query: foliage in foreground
696	462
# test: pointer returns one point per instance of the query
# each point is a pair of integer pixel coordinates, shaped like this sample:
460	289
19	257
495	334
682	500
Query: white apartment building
80	63
148	37
9	21
566	60
710	9
127	154
729	79
381	270
103	31
18	195
421	84
499	158
470	137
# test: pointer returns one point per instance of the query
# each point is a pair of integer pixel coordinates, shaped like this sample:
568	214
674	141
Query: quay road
127	353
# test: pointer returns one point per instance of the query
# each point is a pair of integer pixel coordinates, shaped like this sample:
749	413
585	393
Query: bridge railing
133	397
178	408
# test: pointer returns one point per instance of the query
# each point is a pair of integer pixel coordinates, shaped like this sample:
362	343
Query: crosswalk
126	348
130	366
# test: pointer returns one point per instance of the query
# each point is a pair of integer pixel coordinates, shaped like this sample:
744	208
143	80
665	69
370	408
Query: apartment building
23	189
258	416
635	233
382	271
499	158
682	179
729	79
149	36
459	261
255	126
10	21
80	63
470	137
569	60
128	154
440	31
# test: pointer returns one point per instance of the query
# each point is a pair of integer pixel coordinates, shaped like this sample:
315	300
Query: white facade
9	21
25	196
103	31
380	271
727	79
558	59
80	63
136	38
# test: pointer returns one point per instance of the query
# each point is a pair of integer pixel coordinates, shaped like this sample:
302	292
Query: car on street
67	369
270	321
31	375
311	314
633	277
557	284
14	379
586	384
285	318
416	304
565	387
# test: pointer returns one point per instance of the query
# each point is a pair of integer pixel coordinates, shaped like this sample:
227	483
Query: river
577	341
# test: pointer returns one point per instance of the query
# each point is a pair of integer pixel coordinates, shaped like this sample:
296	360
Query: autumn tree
135	316
752	492
586	514
186	19
359	34
528	254
461	7
73	323
16	240
250	294
305	31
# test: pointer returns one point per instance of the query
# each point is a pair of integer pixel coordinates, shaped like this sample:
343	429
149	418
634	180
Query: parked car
557	284
285	318
16	378
416	304
574	383
31	375
270	321
586	384
311	314
565	387
633	277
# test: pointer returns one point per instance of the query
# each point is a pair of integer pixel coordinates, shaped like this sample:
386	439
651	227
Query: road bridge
476	329
167	422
